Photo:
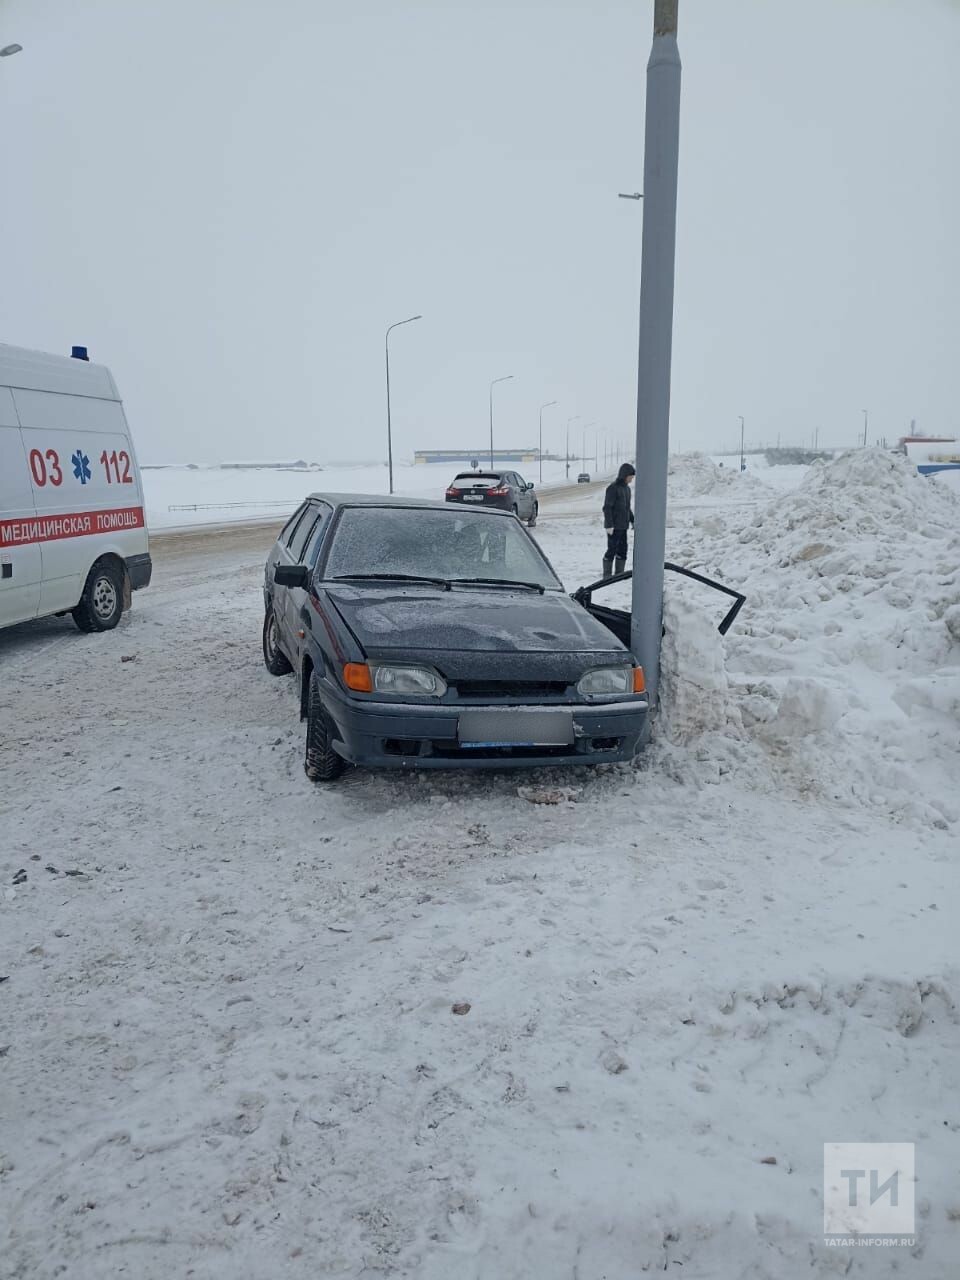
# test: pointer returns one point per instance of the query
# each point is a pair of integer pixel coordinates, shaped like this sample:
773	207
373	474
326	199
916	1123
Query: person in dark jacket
617	519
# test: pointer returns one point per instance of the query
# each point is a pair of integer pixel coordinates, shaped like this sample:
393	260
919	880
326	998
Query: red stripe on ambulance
74	524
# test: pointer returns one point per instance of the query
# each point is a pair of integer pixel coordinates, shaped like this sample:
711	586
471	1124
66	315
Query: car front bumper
422	736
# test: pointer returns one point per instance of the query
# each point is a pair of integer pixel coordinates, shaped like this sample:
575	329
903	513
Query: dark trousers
617	545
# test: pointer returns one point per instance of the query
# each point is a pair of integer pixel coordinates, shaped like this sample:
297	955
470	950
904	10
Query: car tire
532	522
101	605
321	763
274	659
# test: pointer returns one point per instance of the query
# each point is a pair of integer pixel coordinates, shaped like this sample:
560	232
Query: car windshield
435	543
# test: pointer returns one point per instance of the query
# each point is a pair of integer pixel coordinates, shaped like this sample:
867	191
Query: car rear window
477	477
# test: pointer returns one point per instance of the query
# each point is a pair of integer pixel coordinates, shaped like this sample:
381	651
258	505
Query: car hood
470	620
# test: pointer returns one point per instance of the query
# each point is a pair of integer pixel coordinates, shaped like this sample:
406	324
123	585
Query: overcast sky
228	202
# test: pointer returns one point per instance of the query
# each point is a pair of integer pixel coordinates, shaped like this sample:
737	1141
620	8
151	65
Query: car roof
382	500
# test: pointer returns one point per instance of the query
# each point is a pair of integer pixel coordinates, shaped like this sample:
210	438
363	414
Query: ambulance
73	537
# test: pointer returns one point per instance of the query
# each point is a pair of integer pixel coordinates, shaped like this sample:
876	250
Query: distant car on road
504	490
583	477
425	635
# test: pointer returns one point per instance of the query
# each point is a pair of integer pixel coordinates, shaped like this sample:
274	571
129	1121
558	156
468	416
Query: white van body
72	524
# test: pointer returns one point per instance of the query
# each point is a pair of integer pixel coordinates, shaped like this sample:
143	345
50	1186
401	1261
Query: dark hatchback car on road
504	490
430	636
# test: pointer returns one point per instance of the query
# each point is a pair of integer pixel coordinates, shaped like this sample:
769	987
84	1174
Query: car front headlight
420	681
606	681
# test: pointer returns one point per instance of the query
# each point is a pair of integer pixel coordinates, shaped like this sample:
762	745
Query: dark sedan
430	636
504	490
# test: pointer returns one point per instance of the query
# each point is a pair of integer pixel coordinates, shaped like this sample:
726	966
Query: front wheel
321	763
101	604
274	659
531	523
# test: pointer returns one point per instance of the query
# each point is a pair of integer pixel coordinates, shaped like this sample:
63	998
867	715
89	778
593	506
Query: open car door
618	620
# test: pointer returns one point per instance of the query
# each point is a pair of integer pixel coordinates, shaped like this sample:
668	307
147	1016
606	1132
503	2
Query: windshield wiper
499	582
392	577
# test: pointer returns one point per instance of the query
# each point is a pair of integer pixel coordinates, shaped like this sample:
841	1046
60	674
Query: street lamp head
630	195
548	404
9	50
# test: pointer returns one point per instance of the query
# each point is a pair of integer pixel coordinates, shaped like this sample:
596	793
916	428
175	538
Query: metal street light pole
583	454
596	447
657	270
864	412
743	461
505	378
386	348
567	454
542	407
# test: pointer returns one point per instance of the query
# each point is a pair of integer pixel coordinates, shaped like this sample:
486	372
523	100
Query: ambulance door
84	485
19	551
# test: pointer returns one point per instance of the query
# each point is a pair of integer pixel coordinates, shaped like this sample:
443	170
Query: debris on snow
550	795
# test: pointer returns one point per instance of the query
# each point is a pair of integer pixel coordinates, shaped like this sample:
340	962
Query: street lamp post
864	412
386	347
743	461
567	451
596	447
657	271
505	378
542	407
583	455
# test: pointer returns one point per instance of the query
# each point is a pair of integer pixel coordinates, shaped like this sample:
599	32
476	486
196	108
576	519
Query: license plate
516	727
473	497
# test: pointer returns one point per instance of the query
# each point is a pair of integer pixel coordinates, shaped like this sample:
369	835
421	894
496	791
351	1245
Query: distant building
481	457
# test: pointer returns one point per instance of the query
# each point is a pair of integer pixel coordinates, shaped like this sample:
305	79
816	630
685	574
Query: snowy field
181	497
227	1043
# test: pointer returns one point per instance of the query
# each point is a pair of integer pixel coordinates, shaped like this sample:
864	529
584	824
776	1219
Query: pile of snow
844	665
694	475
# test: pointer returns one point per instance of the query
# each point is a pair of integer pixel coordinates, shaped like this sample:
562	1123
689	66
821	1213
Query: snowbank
694	475
844	664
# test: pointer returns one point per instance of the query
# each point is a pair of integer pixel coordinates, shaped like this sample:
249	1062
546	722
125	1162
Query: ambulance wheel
274	659
101	604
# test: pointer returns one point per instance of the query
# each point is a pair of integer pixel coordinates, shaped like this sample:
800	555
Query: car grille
526	690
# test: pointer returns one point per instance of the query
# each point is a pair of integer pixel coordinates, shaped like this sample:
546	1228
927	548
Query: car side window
291	529
302	533
309	556
286	533
521	482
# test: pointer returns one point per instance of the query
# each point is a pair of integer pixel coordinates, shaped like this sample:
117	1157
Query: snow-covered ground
228	1046
184	496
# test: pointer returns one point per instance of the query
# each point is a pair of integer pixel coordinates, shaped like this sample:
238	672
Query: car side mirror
292	575
529	484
